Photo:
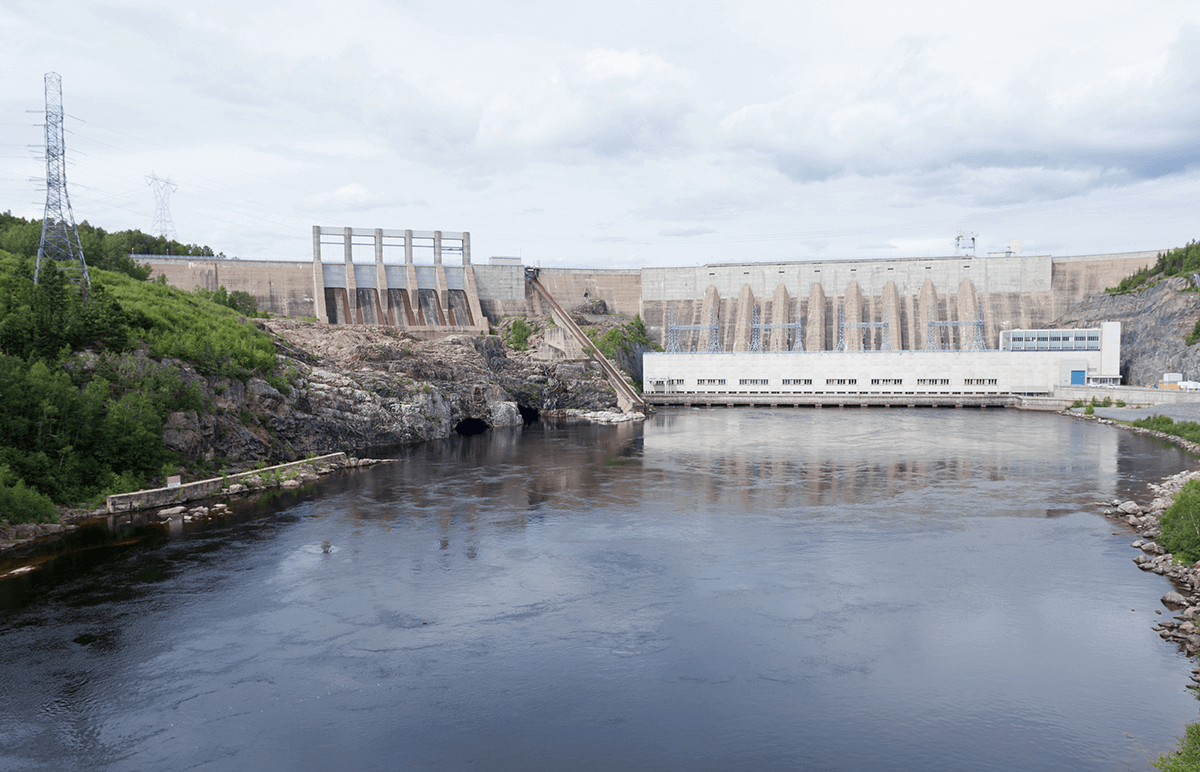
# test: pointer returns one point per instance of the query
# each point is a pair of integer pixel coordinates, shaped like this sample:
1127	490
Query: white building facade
1027	363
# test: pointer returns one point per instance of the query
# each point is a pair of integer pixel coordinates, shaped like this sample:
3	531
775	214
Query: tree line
101	249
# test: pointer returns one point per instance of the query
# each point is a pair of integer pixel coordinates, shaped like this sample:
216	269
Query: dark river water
726	589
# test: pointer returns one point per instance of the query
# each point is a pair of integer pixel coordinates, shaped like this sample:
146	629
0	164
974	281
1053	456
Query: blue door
1079	377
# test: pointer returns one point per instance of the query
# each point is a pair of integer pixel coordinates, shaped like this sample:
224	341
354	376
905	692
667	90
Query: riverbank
1183	628
211	497
165	505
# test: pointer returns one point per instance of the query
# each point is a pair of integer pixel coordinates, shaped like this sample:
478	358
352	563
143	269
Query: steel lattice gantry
933	333
673	330
843	325
756	328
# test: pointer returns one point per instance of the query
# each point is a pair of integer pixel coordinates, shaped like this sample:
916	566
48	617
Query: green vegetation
242	302
15	496
518	334
1194	336
107	251
620	337
84	399
179	325
1181	524
1187	757
1188	430
1178	262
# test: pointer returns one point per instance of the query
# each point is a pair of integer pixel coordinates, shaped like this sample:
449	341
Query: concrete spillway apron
627	398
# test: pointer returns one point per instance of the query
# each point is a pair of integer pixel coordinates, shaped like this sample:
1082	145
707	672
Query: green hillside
84	397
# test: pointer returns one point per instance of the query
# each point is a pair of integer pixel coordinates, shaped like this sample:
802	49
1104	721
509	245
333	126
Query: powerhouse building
1026	362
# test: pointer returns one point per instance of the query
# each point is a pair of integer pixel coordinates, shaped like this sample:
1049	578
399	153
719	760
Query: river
717	589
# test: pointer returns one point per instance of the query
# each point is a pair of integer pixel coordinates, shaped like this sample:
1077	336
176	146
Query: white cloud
699	131
605	102
910	117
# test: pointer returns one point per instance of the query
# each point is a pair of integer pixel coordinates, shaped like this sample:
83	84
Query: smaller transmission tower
163	225
60	238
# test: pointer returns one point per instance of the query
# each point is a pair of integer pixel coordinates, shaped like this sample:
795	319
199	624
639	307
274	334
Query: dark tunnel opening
469	426
528	414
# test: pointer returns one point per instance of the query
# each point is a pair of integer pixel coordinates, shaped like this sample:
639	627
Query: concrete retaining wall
1132	395
282	288
621	290
166	497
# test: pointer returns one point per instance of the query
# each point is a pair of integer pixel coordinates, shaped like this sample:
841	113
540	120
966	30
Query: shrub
1089	410
1181	524
519	332
22	504
1187	757
1188	430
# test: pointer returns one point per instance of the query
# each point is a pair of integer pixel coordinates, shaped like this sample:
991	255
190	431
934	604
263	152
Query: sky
619	134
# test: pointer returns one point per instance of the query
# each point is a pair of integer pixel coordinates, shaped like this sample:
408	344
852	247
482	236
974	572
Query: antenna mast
60	238
965	241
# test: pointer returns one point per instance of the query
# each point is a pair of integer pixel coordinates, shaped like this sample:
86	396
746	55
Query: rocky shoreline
1184	627
25	535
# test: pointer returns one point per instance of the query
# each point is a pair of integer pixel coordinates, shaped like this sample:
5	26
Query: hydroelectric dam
427	283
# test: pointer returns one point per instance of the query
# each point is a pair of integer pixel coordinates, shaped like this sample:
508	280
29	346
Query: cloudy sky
622	133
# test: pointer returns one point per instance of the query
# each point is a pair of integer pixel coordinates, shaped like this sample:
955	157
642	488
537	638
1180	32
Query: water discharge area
725	589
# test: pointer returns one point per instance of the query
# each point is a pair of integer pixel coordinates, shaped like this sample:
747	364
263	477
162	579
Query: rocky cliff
358	387
1154	324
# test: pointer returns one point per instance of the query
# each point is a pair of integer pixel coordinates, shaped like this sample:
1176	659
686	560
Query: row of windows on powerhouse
836	382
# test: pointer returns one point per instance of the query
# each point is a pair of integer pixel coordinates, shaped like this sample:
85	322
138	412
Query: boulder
1173	598
171	513
1129	508
504	414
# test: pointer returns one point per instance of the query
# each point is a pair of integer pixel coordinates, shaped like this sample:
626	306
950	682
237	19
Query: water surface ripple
727	589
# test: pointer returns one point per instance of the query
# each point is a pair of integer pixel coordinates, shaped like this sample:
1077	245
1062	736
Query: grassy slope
83	405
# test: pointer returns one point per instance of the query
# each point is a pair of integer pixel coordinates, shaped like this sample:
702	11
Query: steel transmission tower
163	225
60	238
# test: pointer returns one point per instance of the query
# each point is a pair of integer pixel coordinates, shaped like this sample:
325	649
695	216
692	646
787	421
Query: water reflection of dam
747	454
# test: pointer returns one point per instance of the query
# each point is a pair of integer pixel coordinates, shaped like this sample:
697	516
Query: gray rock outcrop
1154	323
359	387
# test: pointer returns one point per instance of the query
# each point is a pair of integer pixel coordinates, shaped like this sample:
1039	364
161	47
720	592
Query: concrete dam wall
815	305
873	304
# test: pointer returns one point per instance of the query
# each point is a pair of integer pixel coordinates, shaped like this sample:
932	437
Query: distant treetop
101	249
